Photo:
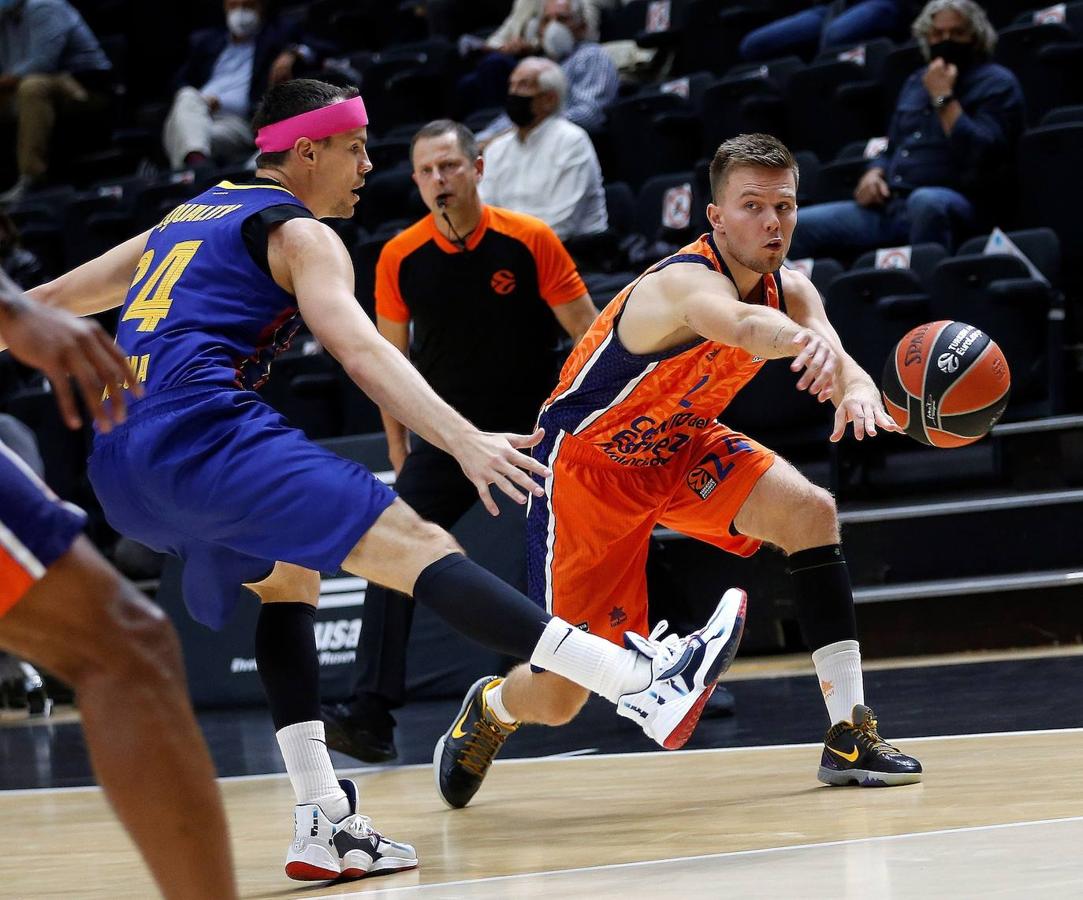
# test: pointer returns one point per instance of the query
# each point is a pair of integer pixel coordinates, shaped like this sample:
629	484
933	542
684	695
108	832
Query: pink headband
315	125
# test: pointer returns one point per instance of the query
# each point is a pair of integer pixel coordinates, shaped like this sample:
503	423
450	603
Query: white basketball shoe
323	850
685	672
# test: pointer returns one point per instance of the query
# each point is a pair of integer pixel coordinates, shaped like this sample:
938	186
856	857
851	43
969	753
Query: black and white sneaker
323	850
684	672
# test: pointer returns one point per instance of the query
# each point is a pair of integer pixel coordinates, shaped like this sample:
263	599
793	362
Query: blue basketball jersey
200	311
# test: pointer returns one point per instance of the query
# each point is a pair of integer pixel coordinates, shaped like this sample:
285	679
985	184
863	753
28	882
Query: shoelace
360	826
481	747
671	644
867	727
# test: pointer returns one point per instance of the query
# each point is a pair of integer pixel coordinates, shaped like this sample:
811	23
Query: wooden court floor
998	815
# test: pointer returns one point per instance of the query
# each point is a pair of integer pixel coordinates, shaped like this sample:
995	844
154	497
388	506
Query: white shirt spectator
592	85
554	174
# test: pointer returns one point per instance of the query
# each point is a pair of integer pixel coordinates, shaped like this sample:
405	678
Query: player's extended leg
415	557
787	510
88	625
330	839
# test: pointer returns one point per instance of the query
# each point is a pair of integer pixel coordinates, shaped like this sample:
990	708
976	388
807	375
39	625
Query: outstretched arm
308	259
97	285
707	304
855	395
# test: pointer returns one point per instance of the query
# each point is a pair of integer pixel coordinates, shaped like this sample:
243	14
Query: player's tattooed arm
706	303
97	285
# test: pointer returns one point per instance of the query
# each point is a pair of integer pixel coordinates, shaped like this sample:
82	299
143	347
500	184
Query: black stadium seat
872	308
1049	193
811	104
670	209
997	294
1048	61
923	260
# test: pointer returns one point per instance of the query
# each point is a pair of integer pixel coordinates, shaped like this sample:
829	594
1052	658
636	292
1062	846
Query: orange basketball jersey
641	409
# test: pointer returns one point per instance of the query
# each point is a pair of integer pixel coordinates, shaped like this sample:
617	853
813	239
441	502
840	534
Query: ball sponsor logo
915	350
948	363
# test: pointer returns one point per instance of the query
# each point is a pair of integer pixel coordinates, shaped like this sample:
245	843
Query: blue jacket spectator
953	131
227	71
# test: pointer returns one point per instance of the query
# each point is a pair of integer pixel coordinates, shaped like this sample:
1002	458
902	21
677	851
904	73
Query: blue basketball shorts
36	528
217	477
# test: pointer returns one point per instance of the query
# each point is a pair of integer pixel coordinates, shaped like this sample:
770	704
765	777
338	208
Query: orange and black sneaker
467	749
855	754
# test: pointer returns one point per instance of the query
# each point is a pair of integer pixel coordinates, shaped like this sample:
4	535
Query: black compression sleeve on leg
288	663
476	603
824	598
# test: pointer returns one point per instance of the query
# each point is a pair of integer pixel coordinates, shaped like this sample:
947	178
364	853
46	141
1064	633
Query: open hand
820	362
863	407
65	347
487	458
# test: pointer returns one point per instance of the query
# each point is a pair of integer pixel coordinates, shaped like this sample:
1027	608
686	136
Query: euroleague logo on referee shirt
503	281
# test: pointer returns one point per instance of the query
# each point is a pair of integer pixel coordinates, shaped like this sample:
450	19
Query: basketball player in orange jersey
632	441
66	608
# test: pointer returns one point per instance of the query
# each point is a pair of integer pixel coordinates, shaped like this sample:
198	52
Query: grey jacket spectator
591	75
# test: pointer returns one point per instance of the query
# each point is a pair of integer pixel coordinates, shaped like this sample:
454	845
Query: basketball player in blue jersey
205	470
64	607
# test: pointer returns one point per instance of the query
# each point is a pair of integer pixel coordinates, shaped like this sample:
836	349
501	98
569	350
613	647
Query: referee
490	295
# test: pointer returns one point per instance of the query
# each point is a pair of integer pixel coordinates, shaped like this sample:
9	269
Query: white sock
838	666
590	661
494	699
304	748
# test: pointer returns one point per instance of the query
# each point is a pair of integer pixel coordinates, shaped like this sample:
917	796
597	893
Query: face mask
519	109
953	53
557	40
242	23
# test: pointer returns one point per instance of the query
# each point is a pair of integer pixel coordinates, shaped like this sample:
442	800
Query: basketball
946	384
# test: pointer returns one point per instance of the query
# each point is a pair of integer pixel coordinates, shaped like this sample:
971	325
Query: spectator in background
227	71
546	166
50	64
22	266
485	294
953	132
824	26
592	78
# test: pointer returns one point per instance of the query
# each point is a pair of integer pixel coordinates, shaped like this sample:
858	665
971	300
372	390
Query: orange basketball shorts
587	539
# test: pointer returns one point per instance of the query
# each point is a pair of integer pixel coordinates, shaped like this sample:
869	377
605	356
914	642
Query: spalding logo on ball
947	384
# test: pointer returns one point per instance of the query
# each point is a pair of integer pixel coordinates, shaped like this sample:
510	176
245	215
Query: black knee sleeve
478	604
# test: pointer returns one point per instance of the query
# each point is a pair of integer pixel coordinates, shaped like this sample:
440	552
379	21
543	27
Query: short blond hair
763	150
